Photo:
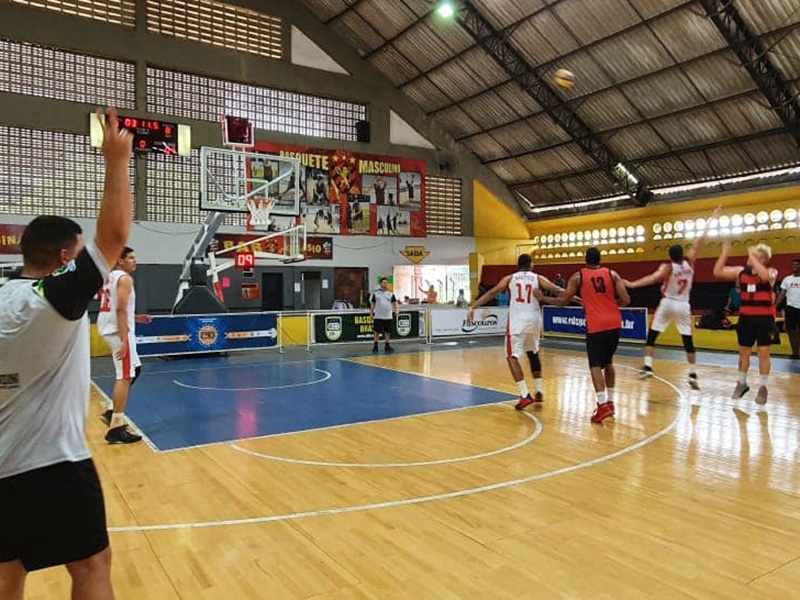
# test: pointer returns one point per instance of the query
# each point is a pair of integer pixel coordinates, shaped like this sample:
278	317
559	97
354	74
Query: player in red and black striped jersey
603	292
756	315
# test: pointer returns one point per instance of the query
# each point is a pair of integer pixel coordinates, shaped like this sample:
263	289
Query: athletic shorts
791	316
52	516
757	330
601	347
125	368
673	311
518	344
382	326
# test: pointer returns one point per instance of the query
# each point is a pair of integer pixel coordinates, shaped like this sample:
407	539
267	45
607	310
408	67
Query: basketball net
259	213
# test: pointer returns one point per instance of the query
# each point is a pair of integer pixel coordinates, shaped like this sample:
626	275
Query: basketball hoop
259	212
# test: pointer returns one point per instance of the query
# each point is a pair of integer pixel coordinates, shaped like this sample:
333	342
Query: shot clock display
149	135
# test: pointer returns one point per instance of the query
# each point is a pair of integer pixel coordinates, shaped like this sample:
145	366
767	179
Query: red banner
317	247
358	194
10	236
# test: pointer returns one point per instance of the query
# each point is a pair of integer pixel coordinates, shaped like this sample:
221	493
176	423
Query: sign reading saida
416	254
355	327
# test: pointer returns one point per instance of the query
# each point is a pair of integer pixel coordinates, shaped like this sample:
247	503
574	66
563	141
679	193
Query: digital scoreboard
149	135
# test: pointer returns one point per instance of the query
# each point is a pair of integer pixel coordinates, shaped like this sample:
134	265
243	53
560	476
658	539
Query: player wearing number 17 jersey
676	279
524	324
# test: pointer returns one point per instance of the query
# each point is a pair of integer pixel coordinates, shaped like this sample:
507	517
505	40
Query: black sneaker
375	349
106	417
693	383
388	348
121	435
645	372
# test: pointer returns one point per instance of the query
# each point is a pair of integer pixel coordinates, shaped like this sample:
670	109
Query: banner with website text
351	193
572	320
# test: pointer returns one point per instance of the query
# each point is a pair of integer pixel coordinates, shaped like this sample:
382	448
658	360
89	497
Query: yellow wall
500	233
782	241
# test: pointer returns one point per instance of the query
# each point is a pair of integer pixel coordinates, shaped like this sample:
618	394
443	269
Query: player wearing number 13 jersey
524	324
676	279
603	292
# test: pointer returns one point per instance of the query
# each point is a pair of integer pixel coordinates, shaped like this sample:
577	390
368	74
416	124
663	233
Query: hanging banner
357	327
358	194
572	320
213	333
317	247
10	236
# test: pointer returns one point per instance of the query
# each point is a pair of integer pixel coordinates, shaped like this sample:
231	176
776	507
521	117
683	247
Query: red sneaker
604	410
523	402
538	397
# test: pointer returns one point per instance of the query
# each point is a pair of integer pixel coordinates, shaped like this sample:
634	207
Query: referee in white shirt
51	503
381	303
790	292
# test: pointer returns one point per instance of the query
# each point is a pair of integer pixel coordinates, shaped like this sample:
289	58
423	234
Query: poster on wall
572	320
453	322
317	247
358	194
357	327
10	236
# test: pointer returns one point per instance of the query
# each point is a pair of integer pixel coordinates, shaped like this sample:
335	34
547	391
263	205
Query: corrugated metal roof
653	78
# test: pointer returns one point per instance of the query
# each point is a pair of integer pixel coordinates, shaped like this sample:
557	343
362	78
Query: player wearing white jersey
116	322
676	278
524	324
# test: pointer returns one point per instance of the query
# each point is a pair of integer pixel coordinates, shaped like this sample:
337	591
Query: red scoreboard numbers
245	260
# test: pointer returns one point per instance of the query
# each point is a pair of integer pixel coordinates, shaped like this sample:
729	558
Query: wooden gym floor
683	495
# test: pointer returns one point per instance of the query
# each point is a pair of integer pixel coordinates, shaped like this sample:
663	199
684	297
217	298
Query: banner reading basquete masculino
212	333
572	320
357	327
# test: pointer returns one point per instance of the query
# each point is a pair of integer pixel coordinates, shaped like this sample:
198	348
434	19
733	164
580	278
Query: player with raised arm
676	279
603	292
52	503
116	322
524	324
756	315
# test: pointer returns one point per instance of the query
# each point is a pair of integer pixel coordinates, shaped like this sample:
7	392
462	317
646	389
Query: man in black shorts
51	503
381	303
756	315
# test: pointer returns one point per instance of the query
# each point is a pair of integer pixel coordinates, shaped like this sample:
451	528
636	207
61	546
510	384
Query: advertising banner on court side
212	333
447	322
572	320
357	327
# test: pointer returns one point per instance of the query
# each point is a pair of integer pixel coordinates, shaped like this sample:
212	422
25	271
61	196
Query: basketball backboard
229	178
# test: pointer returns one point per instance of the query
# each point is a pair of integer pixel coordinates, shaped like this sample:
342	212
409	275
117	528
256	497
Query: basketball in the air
564	78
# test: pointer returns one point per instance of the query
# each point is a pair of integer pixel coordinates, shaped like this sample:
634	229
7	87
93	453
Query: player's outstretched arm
763	272
492	293
623	299
116	208
721	269
691	256
658	276
566	296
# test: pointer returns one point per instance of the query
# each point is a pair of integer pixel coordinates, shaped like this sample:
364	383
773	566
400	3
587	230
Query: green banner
357	327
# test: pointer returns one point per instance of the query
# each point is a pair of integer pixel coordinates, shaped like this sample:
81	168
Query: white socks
539	385
523	388
742	378
601	397
117	420
648	361
765	380
109	404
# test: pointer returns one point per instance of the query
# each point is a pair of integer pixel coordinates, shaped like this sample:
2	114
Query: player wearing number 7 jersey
524	324
676	279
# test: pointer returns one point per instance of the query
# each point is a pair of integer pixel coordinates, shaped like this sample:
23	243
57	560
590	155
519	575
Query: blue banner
212	333
572	320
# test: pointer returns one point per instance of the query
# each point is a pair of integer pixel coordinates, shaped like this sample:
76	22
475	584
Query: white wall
165	243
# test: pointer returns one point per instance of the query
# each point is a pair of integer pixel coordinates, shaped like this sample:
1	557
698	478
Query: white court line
422	499
146	439
263	363
326	375
442	461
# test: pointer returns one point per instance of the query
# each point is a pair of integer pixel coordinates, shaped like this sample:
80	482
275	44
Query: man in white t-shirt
116	322
524	324
790	293
52	502
381	304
